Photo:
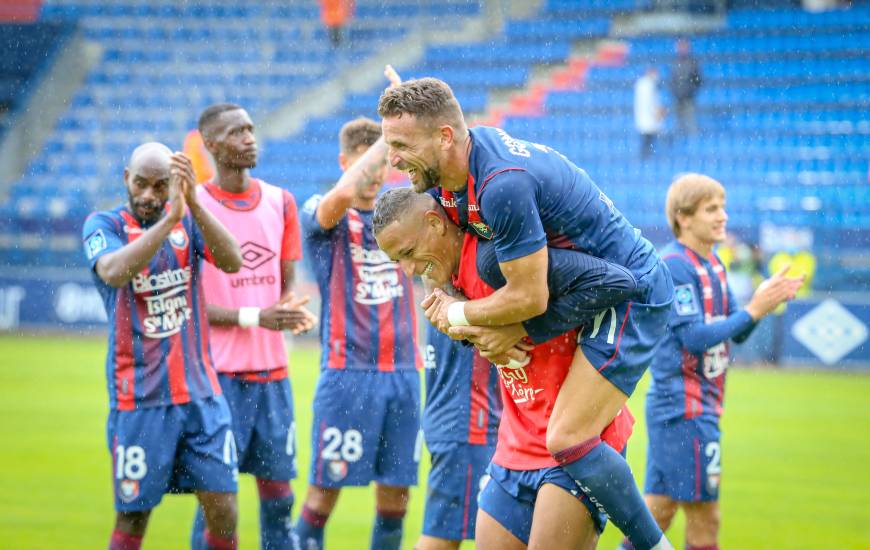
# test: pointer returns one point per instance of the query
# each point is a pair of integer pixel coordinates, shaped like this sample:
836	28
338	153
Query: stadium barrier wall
831	331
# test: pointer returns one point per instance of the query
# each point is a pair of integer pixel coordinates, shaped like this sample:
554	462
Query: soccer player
367	401
525	196
684	402
460	427
530	499
247	312
169	427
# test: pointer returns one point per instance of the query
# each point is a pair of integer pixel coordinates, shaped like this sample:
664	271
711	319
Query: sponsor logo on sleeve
684	300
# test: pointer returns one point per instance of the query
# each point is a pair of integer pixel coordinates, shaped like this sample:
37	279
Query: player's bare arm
524	296
119	267
222	245
360	176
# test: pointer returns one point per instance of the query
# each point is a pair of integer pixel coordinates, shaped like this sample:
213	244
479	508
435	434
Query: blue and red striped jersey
684	384
463	401
367	317
158	351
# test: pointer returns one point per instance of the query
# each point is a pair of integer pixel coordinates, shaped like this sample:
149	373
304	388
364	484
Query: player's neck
233	180
454	175
703	248
362	204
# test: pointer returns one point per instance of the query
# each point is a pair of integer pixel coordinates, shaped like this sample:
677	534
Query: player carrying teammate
169	427
523	196
684	402
367	402
247	312
530	499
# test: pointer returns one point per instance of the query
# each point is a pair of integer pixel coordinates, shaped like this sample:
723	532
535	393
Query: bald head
147	180
414	230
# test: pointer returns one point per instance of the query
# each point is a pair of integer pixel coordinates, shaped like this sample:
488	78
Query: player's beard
429	178
155	211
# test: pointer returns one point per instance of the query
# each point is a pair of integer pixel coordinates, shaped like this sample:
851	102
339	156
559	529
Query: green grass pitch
796	457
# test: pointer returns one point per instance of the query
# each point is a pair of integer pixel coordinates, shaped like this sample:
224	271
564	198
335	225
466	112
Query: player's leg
319	504
348	415
457	475
663	509
492	535
271	458
398	455
614	352
391	504
207	463
702	525
129	530
142	444
221	517
561	520
238	395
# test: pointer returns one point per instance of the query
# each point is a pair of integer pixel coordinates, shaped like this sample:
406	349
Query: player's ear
433	219
126	176
342	161
447	135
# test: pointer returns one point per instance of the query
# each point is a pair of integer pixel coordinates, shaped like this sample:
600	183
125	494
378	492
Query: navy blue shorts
366	428
509	497
263	425
171	449
684	460
457	475
621	341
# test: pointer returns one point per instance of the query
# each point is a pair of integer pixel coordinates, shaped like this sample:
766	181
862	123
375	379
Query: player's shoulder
111	219
678	262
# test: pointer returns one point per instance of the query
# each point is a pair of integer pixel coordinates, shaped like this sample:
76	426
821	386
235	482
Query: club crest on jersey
713	482
128	490
684	300
336	470
482	230
95	243
354	226
178	238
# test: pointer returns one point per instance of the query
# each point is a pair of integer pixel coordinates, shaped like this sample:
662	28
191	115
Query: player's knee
223	515
561	437
392	499
702	522
132	522
321	500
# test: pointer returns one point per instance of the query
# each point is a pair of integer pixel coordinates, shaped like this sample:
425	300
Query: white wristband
249	317
456	315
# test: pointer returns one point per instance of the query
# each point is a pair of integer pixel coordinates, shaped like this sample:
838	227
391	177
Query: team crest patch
128	490
482	230
336	470
684	300
178	238
95	243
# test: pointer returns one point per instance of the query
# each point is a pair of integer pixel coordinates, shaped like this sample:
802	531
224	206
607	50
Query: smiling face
415	147
423	244
231	141
707	225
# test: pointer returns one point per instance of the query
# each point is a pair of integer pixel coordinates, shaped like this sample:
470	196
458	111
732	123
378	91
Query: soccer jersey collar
244	201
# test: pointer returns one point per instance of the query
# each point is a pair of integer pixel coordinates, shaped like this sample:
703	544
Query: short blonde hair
686	193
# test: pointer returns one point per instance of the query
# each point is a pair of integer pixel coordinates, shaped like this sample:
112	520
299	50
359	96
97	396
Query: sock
214	542
711	547
309	529
124	541
196	535
276	504
626	545
605	478
387	533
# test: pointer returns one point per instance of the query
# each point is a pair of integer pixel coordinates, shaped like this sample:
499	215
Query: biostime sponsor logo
159	281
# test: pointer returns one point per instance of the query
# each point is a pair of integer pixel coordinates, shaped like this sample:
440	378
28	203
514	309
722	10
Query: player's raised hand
392	76
181	167
774	291
176	198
